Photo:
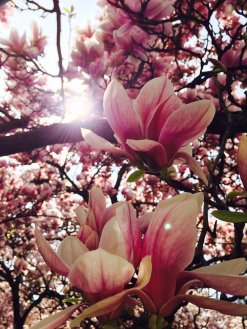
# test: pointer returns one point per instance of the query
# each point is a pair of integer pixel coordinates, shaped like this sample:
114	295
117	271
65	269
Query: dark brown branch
70	133
54	134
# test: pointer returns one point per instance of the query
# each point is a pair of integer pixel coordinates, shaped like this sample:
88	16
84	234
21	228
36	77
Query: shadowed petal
50	257
56	320
150	151
120	113
205	302
144	221
70	249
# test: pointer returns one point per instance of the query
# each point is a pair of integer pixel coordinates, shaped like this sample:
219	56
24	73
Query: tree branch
60	133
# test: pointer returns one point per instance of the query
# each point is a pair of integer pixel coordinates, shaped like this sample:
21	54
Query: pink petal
120	113
111	304
151	152
193	165
144	221
99	143
50	257
56	320
70	249
170	240
185	125
88	237
204	302
160	116
100	274
111	212
98	205
121	235
153	93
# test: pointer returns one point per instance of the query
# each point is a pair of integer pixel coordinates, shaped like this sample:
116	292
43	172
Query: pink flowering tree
123	173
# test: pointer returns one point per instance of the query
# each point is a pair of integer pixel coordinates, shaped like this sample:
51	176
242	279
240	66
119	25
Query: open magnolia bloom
170	240
156	128
242	160
105	271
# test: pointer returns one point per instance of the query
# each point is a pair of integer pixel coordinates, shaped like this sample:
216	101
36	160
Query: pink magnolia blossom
15	42
170	241
242	160
155	128
99	274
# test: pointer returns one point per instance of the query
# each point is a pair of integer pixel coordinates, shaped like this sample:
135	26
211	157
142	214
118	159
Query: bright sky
86	12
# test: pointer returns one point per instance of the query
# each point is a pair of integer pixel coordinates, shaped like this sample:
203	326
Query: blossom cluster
113	246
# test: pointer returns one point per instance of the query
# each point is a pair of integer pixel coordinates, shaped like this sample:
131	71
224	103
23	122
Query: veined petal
70	249
153	93
120	112
111	304
204	302
100	273
186	124
56	320
174	227
99	143
50	257
152	152
193	165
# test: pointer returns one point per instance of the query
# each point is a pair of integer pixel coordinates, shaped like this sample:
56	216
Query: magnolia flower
242	160
156	128
170	241
104	272
99	274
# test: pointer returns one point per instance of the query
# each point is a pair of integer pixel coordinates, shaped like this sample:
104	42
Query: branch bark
60	133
